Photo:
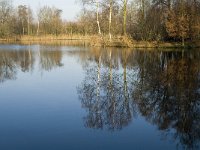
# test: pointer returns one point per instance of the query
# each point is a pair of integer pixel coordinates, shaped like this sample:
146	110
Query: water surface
62	97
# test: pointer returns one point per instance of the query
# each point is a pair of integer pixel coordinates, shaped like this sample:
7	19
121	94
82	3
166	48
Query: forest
141	20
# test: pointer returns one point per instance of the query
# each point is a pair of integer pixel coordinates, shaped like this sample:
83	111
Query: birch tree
124	16
110	18
95	3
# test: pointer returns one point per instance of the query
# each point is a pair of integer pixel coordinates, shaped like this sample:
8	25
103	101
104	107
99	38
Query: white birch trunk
97	13
38	27
110	19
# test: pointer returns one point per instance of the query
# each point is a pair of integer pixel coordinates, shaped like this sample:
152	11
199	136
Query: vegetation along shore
112	23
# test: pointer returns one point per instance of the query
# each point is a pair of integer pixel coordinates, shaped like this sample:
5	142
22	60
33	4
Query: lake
76	98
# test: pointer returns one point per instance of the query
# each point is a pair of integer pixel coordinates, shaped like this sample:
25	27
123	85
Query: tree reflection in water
11	61
104	92
163	87
50	59
167	94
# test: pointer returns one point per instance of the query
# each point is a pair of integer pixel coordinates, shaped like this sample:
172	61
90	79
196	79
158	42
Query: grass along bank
96	41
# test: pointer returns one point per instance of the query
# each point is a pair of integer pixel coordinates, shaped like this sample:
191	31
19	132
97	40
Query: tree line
148	20
176	20
22	21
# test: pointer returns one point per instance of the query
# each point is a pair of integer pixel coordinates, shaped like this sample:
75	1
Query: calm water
71	98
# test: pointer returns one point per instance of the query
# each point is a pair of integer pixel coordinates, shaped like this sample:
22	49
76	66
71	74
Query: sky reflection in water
91	98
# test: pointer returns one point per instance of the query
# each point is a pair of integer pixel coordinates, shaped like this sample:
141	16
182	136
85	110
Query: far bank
96	41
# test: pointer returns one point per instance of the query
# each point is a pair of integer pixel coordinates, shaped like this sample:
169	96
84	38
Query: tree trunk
169	4
23	30
110	19
125	17
143	10
38	27
183	41
28	24
97	13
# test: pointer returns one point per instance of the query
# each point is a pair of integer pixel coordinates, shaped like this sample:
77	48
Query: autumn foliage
143	20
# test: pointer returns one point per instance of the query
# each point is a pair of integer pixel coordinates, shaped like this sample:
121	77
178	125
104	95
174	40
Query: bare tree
97	5
5	17
50	20
23	17
124	16
110	18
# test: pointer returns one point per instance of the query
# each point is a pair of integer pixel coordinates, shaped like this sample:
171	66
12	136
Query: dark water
71	98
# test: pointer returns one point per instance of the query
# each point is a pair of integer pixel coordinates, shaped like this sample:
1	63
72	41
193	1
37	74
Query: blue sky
70	7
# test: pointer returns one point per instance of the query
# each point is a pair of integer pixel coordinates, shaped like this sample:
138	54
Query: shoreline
96	41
